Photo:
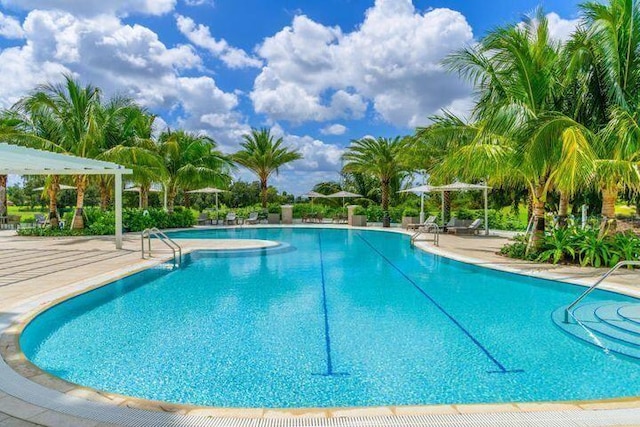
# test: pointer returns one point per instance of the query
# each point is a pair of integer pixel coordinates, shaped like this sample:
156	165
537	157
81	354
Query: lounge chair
252	219
203	219
471	229
40	220
231	219
427	222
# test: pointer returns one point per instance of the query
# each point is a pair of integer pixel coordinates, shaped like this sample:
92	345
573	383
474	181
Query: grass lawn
25	211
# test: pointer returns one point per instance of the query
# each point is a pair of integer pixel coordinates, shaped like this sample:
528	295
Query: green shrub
359	211
411	212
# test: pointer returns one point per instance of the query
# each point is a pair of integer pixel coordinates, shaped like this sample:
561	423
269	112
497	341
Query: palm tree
263	155
127	140
603	58
515	136
191	160
73	110
381	157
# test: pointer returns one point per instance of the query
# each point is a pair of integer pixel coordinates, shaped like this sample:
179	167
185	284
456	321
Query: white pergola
17	160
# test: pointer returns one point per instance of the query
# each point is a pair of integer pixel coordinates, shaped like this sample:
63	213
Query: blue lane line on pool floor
501	369
327	336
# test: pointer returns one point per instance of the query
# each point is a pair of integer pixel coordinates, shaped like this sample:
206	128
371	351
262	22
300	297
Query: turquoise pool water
337	318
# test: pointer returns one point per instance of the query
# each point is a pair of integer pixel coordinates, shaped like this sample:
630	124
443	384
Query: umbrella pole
421	208
217	210
442	204
486	213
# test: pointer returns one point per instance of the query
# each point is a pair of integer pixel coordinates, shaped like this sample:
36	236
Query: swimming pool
332	318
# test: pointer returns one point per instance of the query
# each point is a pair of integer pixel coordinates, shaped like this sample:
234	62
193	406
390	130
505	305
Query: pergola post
118	194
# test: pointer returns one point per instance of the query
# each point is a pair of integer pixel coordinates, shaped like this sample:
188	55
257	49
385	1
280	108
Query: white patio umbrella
138	190
463	186
314	195
210	190
456	186
62	187
343	195
420	189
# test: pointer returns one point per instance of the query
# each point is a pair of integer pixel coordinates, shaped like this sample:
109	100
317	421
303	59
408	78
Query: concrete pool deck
36	272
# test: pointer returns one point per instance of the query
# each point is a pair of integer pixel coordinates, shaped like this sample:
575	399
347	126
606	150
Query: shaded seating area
427	222
463	226
231	219
313	218
253	218
203	219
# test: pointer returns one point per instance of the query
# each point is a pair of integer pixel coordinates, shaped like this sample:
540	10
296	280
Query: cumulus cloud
125	59
200	35
391	61
334	129
198	2
96	7
10	27
559	28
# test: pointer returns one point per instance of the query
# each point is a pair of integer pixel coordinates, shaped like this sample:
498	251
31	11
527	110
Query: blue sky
319	73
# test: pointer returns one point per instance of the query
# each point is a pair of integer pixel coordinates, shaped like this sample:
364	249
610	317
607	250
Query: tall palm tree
263	155
74	110
603	58
381	157
515	135
191	160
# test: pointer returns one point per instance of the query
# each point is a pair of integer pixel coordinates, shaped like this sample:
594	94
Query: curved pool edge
37	387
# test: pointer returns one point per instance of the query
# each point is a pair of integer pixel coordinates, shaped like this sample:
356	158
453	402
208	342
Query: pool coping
13	359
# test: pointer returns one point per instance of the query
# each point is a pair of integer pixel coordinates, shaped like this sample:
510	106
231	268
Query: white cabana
17	160
456	186
343	195
210	190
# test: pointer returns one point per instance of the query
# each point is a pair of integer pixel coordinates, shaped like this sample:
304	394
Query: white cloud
96	7
200	35
198	2
561	29
119	58
315	72
10	27
334	129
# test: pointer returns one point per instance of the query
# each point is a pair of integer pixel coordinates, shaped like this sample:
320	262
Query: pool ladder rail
426	229
170	243
567	311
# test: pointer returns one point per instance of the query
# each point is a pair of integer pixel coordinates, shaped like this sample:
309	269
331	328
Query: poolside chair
252	219
40	220
471	229
231	219
427	222
203	219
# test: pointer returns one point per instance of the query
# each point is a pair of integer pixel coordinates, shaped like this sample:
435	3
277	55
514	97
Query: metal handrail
169	242
425	229
567	311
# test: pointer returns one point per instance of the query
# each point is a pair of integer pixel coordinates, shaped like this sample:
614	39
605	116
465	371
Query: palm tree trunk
529	206
263	192
386	220
609	197
446	200
81	186
105	194
144	196
52	192
187	200
539	222
3	195
563	209
171	197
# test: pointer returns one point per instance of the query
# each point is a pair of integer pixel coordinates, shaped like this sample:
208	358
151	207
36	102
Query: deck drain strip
501	368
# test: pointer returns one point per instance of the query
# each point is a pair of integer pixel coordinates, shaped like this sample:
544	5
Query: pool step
611	325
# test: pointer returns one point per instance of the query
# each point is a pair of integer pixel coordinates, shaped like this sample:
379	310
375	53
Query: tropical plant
516	72
382	157
263	155
191	160
558	246
593	249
